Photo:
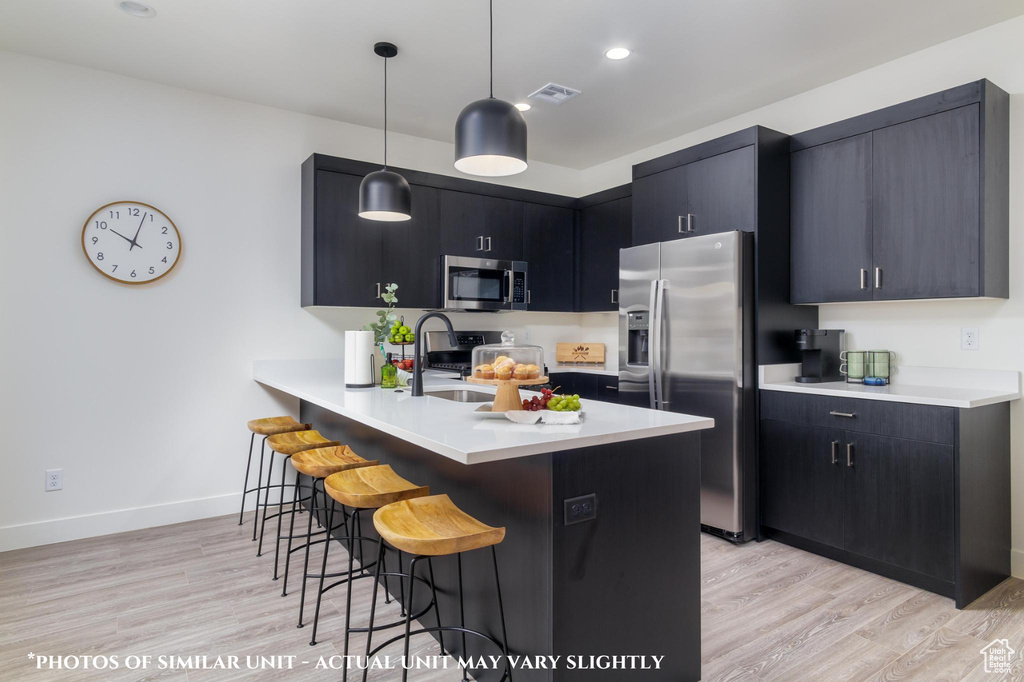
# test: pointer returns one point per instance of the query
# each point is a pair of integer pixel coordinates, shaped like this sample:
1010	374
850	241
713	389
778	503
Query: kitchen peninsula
625	583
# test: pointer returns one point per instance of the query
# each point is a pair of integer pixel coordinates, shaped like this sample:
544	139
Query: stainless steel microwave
483	284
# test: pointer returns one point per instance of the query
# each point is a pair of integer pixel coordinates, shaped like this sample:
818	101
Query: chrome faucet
417	360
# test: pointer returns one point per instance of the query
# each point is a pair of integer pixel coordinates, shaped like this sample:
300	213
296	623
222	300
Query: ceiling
694	62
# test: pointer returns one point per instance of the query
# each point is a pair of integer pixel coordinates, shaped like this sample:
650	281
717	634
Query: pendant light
490	134
385	195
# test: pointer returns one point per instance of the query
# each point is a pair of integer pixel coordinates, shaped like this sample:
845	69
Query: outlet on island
579	509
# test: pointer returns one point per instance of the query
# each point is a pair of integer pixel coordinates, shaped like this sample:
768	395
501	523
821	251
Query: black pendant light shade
490	134
490	139
385	195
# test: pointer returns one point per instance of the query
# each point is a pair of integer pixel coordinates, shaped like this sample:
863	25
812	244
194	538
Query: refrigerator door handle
657	319
654	346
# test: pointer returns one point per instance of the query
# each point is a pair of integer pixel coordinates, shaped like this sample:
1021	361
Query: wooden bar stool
317	464
361	489
433	526
286	444
268	426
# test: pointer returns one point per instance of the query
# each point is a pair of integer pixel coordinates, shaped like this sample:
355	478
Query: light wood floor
770	612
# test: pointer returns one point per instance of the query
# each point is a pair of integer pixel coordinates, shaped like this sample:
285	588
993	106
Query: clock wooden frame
85	228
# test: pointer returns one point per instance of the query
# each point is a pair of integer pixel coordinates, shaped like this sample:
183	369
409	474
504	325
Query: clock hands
134	239
123	237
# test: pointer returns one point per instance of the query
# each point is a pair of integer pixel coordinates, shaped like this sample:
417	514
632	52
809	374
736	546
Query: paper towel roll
359	359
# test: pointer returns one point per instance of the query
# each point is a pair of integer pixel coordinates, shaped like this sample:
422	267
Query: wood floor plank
999	613
910	622
944	656
851	659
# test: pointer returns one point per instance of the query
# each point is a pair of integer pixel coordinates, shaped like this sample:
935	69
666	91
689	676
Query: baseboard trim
116	521
1017	563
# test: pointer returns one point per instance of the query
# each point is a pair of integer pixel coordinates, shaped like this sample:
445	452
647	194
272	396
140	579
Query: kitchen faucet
417	360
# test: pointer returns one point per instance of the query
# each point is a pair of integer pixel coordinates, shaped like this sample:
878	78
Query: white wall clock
131	242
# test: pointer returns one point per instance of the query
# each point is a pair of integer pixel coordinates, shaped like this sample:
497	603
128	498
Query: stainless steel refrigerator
686	344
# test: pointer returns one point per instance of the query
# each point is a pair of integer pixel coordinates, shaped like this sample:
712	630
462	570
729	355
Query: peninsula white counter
451	428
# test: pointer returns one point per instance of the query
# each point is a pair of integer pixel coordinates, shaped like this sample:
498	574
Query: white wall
925	333
141	394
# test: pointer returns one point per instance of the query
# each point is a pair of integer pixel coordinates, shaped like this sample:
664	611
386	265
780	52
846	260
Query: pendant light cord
385	113
492	47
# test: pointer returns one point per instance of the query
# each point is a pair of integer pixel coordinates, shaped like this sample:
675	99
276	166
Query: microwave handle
507	287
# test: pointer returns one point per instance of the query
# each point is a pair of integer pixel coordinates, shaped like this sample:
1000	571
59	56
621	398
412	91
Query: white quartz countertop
922	385
450	428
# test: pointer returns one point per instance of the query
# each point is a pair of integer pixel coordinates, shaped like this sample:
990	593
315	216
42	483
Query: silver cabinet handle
689	222
835	452
612	388
688	227
479	243
378	289
878	278
849	454
680	225
488	244
529	299
849	415
615	295
863	278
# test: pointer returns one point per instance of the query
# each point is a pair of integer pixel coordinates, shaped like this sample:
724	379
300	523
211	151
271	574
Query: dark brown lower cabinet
931	510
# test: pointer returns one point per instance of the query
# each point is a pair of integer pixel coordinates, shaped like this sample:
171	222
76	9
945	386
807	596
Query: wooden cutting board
582	352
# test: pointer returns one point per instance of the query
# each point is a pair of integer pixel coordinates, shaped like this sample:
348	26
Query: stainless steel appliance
441	354
483	284
820	351
686	344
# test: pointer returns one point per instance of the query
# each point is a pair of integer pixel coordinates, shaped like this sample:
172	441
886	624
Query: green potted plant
385	318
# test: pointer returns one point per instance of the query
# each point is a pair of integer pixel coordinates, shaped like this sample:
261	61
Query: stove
442	355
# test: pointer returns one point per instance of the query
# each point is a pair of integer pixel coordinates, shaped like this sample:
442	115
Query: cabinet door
898	502
658	202
412	250
348	248
720	193
481	226
608	388
801	487
604	229
926	207
830	225
548	249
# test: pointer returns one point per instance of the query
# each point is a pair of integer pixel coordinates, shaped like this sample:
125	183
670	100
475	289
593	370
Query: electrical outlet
54	479
969	338
579	509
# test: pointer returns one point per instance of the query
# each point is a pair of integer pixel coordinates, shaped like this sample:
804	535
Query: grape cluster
548	400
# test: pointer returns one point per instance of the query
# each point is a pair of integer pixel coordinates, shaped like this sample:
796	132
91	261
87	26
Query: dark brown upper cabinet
605	226
908	202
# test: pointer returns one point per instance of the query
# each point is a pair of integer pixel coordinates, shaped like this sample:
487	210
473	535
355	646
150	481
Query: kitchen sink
462	395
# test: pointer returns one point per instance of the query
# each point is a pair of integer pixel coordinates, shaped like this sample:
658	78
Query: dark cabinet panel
898	502
830	245
608	388
659	206
604	229
411	252
547	246
347	255
801	482
575	383
926	207
480	226
720	193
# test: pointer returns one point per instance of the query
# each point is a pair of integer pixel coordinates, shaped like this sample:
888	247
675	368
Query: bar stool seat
371	487
296	441
322	462
433	526
271	426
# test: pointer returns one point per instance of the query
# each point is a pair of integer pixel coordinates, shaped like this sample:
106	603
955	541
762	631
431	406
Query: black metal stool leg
259	487
323	574
305	562
348	597
501	612
266	503
437	611
291	534
245	484
280	509
373	605
408	618
462	617
401	585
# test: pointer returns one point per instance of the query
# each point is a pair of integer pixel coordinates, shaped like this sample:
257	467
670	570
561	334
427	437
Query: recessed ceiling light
617	53
523	106
136	9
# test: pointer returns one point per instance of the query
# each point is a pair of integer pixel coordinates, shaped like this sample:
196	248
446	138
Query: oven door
483	284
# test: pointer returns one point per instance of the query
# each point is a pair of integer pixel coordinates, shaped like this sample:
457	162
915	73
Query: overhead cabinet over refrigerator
906	202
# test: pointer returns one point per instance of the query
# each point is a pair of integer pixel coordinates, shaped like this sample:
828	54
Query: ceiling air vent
554	93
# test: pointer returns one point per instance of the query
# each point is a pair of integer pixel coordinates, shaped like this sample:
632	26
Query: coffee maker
819	355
